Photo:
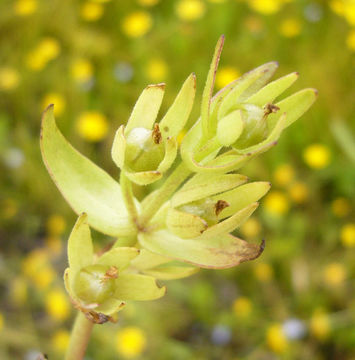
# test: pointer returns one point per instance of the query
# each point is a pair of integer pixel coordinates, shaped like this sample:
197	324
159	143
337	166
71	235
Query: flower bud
145	150
95	283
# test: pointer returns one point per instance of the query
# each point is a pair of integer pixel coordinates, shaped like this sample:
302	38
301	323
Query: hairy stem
79	338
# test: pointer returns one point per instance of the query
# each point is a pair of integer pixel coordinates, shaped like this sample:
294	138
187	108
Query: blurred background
92	58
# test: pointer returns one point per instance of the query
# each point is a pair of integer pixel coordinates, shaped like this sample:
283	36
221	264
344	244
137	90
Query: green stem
176	178
128	198
79	338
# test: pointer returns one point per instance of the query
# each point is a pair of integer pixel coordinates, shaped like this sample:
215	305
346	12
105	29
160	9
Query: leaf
208	89
221	252
169	156
185	225
203	185
146	109
230	127
147	260
119	257
143	177
172	272
247	85
80	248
242	196
230	224
110	306
177	115
138	287
86	187
294	106
118	151
271	91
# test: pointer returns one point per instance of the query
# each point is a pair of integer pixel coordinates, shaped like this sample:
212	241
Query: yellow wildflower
284	175
251	228
337	6
43	278
349	12
317	156
334	274
9	78
298	192
350	40
190	10
131	341
156	70
57	305
320	324
49	48
81	70
1	321
276	203
55	225
148	2
56	99
91	11
60	340
92	126
276	339
265	7
25	7
263	272
290	27
347	235
242	307
225	75
137	24
341	207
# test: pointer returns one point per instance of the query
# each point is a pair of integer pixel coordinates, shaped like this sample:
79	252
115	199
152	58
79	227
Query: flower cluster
187	222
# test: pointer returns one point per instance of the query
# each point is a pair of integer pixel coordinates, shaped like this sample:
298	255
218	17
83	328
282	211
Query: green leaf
271	91
222	252
177	115
172	272
119	257
203	185
118	151
185	225
138	287
147	260
242	196
110	306
86	187
146	109
208	89
247	85
230	224
170	146
80	248
230	127
294	106
143	177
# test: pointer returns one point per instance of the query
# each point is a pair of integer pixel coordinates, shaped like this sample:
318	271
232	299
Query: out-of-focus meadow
91	59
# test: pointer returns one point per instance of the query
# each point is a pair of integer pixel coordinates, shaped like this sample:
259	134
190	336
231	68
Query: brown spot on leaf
156	134
270	108
219	206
